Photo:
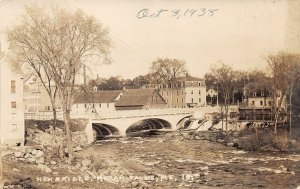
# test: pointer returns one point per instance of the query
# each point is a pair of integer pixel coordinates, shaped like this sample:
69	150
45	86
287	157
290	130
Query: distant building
137	99
12	130
212	96
97	101
36	98
260	98
258	104
185	92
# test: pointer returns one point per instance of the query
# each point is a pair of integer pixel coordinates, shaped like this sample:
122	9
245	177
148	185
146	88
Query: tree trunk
290	108
54	125
222	117
277	112
171	95
226	117
67	121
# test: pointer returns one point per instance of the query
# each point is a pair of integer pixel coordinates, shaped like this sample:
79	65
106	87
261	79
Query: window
108	105
13	86
192	100
199	91
199	84
99	105
85	105
13	104
261	103
199	99
252	103
182	100
93	105
270	103
14	127
192	92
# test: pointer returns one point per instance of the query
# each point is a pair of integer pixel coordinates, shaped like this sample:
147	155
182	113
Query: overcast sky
239	33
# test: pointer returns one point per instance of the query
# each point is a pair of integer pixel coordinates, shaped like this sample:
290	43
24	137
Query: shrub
265	140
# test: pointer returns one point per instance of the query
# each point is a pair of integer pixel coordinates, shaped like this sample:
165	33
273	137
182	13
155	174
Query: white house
12	131
98	101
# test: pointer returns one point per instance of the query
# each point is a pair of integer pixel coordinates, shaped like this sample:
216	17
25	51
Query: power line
133	50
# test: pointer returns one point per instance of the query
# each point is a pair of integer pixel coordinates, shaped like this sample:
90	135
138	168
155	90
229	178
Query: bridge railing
121	113
140	113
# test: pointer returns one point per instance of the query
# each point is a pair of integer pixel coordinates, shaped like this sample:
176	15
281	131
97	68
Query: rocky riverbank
170	160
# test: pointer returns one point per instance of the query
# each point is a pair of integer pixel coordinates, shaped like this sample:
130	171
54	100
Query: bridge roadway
121	123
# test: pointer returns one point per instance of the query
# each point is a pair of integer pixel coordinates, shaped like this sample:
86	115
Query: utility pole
217	95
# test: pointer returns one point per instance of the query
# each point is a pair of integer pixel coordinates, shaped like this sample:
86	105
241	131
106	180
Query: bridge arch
182	123
101	130
149	124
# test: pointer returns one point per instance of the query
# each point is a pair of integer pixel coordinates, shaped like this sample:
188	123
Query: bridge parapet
140	113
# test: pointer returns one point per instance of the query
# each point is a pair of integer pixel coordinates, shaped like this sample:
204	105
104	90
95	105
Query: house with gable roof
97	101
140	99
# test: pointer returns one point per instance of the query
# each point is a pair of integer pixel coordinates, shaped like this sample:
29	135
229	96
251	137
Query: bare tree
224	75
60	42
282	77
168	70
295	77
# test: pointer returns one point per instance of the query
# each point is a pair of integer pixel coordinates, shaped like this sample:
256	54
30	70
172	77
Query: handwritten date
176	13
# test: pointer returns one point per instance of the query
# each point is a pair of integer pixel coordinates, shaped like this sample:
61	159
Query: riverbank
170	160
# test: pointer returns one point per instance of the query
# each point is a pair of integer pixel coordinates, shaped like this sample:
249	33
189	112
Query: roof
97	97
189	78
135	97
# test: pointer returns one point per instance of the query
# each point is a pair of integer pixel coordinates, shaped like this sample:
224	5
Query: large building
185	92
12	130
258	104
36	98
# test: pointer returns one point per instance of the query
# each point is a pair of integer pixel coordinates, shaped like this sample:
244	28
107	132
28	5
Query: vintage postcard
149	94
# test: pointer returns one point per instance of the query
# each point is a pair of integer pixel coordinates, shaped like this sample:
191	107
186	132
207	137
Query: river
172	161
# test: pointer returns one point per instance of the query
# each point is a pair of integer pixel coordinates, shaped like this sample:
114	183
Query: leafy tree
60	42
141	80
166	70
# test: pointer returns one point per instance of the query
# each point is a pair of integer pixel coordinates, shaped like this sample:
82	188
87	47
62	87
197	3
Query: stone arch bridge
121	123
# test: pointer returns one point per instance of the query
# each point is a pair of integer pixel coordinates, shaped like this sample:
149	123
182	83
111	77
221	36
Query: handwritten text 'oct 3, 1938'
176	13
